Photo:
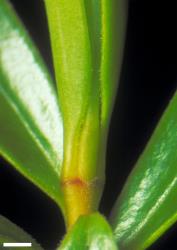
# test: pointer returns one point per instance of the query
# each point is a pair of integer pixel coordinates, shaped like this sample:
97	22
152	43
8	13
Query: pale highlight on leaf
31	135
147	205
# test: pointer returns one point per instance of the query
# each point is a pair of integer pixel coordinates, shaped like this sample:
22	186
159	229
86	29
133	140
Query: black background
147	82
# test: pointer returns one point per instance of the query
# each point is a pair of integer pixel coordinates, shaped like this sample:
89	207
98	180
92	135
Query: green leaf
87	42
147	205
31	133
10	233
90	232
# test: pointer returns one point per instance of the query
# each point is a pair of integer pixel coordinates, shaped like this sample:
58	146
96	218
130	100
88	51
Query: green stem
87	51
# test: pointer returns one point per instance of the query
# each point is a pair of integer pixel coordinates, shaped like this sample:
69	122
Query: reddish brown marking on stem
74	182
81	197
80	183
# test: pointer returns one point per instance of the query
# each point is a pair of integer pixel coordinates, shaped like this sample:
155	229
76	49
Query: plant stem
87	51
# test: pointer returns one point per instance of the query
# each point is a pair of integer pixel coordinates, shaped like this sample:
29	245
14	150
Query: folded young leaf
87	42
147	205
90	232
31	135
10	233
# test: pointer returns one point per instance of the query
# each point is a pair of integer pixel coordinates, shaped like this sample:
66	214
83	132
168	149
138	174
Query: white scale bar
17	244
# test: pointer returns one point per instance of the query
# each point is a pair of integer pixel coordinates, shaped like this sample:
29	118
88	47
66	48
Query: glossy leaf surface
10	233
147	206
87	42
31	134
90	232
